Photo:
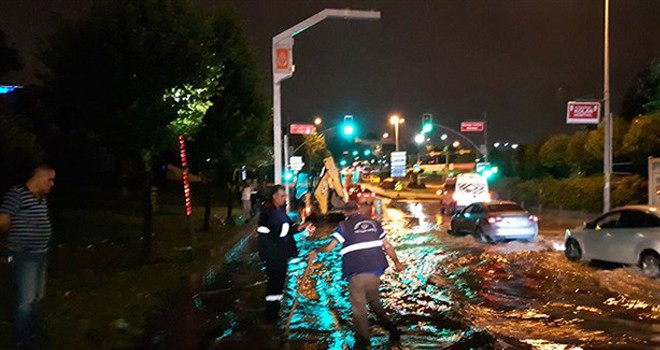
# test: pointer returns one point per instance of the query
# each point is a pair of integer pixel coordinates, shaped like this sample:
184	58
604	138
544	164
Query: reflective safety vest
275	231
361	246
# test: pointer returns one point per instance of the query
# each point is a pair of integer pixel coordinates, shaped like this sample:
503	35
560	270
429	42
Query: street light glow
395	119
318	121
456	144
496	144
515	146
419	139
386	135
443	137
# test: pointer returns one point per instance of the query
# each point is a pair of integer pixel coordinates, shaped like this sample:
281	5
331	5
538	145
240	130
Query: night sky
518	60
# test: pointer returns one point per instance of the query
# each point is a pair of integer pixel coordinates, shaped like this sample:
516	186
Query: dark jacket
275	231
362	246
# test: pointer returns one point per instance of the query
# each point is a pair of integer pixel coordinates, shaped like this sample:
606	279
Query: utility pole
607	154
486	137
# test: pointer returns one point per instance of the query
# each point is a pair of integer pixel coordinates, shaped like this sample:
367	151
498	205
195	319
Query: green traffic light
348	130
427	127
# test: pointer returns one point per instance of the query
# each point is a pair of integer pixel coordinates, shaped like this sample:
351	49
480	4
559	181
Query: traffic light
288	176
427	123
349	126
486	170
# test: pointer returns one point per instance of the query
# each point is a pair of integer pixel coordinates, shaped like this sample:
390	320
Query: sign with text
398	162
477	126
296	163
302	129
583	112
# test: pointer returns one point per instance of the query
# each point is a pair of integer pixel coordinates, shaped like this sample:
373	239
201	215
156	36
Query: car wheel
650	264
452	231
573	251
480	236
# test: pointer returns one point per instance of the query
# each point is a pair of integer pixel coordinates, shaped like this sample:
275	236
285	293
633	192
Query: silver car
496	221
626	235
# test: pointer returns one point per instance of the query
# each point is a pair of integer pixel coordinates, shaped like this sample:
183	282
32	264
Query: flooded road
455	293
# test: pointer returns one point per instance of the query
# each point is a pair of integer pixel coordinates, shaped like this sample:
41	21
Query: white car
626	235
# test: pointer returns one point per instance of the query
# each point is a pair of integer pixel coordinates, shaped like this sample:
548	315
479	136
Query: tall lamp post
396	120
283	68
607	159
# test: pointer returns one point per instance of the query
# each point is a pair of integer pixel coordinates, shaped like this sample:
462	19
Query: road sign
578	112
482	166
283	60
477	126
654	181
398	161
296	163
302	129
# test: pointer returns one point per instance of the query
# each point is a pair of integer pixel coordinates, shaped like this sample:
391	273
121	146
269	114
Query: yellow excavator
329	195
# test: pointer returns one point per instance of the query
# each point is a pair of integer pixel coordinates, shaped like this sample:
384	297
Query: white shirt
246	193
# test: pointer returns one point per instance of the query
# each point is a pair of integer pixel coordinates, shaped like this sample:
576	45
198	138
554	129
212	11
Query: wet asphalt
456	293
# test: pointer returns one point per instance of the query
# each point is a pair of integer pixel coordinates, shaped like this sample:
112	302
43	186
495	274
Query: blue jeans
28	271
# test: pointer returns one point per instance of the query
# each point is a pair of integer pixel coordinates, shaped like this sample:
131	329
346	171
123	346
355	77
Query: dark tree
107	75
237	124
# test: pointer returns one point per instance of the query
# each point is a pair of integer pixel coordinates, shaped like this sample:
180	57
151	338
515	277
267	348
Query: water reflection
455	291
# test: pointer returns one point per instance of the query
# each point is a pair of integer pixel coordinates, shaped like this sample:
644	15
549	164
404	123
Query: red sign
302	129
583	112
283	60
472	126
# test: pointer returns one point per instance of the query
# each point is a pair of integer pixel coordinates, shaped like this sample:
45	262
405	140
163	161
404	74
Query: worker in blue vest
276	246
363	250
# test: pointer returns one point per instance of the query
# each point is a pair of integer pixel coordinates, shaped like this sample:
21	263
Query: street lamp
318	121
456	144
396	120
419	139
386	135
283	68
443	137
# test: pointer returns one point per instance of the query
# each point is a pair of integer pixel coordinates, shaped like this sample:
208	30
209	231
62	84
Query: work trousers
276	277
364	290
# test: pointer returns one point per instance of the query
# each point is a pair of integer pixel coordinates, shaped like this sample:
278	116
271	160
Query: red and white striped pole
186	181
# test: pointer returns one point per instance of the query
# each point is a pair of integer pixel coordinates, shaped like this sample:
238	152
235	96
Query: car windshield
505	207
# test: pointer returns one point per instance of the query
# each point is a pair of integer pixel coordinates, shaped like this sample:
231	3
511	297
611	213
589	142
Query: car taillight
493	220
533	218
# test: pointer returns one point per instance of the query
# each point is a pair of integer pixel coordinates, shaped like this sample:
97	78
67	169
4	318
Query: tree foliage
315	150
643	97
237	123
108	73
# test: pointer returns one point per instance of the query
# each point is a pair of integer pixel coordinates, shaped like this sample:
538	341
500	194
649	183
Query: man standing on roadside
24	214
363	251
276	246
246	199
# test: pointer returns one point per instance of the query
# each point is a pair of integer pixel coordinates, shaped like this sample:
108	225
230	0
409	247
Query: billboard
582	112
